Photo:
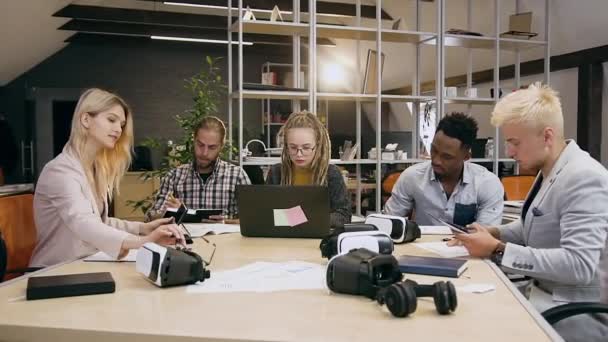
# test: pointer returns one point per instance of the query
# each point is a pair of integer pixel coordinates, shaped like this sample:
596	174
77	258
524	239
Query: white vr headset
375	241
166	266
398	228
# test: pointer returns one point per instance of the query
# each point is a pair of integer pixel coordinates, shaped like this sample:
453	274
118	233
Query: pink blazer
68	222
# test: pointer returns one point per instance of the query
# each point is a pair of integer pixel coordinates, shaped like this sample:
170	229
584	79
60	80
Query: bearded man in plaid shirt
208	182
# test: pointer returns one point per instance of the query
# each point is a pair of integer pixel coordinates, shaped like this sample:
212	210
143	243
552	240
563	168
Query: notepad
69	285
201	229
441	267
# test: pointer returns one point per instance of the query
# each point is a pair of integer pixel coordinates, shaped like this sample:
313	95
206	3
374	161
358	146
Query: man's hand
479	242
214	219
172	202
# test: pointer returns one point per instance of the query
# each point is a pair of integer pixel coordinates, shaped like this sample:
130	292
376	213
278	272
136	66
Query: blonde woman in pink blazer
73	190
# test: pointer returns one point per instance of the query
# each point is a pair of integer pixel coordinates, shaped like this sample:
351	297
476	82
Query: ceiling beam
323	7
147	30
560	62
128	15
130	41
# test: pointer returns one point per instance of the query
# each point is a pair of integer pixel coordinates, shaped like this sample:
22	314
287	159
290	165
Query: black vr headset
376	276
362	272
166	266
355	235
367	235
400	229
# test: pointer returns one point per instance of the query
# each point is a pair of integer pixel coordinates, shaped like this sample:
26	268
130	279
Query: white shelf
514	44
487	160
272	94
373	97
485	42
369	33
273	28
405	161
276	160
347	97
352	162
470	100
407	98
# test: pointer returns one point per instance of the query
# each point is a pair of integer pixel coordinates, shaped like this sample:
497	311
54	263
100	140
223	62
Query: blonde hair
320	161
110	164
212	123
537	106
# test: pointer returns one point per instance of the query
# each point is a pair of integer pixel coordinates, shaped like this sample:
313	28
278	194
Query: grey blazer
563	236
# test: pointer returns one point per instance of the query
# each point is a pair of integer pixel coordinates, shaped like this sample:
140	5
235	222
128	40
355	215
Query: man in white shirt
449	187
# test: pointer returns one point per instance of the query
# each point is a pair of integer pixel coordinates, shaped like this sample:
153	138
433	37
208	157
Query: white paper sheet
264	277
476	288
202	229
443	249
435	230
101	256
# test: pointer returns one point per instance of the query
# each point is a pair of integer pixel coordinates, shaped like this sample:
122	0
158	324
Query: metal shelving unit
380	36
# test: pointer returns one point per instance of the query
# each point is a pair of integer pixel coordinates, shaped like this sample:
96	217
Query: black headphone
401	297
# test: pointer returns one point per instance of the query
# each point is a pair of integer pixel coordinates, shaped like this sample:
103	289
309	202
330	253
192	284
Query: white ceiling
28	32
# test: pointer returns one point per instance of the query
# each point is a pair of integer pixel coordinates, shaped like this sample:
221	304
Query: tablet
198	215
456	228
177	213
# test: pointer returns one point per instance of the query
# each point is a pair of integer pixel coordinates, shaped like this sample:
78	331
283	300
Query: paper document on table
101	256
435	230
476	288
202	229
264	277
289	217
443	249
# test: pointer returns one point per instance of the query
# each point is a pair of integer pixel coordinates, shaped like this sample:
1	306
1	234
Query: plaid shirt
219	192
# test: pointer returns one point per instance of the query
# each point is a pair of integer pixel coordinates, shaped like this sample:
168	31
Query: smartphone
456	228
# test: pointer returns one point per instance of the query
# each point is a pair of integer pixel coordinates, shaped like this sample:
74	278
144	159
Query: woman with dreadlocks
305	161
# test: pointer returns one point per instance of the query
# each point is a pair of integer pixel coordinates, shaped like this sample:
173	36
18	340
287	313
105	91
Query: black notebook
69	285
441	267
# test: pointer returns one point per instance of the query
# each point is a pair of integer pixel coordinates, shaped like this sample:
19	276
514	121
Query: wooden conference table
140	311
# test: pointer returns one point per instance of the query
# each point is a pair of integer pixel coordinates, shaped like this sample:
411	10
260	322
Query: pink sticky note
296	216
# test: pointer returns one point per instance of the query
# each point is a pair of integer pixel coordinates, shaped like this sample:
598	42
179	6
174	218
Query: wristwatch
496	256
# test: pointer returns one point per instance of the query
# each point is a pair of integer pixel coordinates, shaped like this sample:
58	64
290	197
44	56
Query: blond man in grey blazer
71	199
560	239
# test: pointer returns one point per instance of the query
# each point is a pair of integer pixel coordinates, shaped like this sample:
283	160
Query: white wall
565	82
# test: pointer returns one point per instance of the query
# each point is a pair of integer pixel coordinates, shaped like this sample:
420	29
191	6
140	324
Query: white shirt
478	197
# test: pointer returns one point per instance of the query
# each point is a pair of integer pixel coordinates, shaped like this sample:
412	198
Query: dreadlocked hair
322	152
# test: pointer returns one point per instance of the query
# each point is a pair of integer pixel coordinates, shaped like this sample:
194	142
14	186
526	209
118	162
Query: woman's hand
168	234
149	227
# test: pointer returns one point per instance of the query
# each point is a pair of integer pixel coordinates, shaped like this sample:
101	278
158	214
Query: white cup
450	92
470	92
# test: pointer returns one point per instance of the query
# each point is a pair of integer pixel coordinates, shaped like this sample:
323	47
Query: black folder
70	285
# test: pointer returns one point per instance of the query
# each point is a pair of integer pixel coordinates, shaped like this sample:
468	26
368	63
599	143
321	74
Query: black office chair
4	263
561	312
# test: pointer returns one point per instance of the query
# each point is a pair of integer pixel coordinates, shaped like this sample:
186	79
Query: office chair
561	312
17	235
517	187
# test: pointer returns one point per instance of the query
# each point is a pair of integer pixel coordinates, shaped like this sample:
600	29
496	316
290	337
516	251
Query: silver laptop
283	211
